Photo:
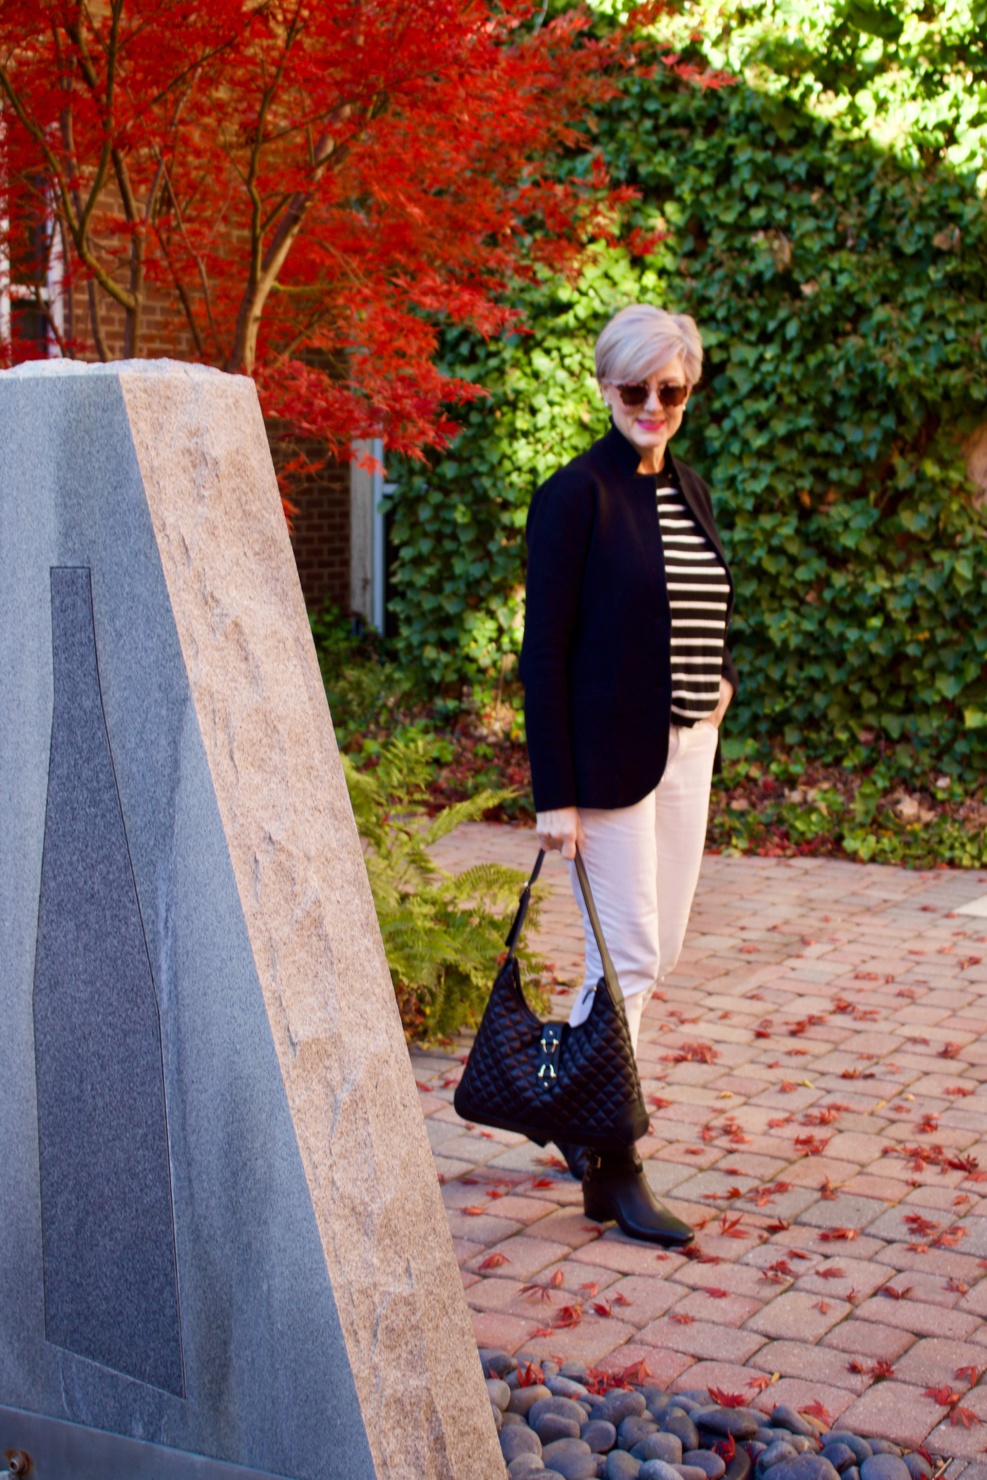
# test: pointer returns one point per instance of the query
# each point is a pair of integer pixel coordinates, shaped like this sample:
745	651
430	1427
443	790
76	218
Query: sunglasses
638	393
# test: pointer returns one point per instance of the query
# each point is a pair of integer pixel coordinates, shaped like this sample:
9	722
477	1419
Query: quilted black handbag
550	1081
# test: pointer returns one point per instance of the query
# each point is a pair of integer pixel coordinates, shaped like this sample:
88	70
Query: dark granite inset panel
110	1275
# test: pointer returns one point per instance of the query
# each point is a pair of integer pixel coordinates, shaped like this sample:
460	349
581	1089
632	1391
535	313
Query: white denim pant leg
643	864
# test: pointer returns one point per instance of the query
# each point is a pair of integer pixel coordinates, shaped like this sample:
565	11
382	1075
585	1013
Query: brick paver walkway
816	1070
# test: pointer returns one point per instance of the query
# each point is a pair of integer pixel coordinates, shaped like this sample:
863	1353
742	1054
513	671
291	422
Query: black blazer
596	655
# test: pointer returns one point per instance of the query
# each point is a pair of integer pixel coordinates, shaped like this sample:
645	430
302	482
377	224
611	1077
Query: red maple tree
303	190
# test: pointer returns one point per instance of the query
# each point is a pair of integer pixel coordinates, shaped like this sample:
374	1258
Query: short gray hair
640	339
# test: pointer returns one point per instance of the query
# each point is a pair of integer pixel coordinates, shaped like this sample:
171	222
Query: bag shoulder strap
609	974
513	935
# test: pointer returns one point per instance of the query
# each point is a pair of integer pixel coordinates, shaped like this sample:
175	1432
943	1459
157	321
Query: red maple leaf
816	1410
493	1261
727	1400
943	1395
965	1416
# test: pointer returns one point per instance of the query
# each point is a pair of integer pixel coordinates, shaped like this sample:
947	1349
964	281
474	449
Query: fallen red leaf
681	1318
727	1400
816	1410
493	1261
965	1416
943	1395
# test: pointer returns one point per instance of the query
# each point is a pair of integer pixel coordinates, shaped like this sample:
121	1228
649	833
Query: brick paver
817	1074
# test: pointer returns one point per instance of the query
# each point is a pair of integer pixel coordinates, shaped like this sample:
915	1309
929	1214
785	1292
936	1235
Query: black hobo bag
549	1081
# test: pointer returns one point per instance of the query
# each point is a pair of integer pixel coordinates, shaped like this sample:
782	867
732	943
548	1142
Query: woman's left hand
726	694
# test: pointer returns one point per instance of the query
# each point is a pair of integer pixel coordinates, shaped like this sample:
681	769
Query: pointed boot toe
616	1189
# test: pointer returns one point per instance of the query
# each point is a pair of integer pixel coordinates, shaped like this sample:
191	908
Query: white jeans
643	864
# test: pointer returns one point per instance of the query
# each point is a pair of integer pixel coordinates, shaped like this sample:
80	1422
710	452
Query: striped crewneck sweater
698	592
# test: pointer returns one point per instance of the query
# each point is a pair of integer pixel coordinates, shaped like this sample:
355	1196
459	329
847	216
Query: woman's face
649	427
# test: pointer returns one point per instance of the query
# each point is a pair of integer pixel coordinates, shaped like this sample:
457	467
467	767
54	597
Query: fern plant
443	932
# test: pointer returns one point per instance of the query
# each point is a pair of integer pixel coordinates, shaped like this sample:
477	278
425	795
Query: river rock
622	1466
519	1439
523	1399
657	1469
599	1434
784	1417
667	1447
884	1467
712	1465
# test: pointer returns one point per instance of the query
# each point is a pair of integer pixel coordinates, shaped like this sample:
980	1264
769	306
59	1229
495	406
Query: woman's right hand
560	829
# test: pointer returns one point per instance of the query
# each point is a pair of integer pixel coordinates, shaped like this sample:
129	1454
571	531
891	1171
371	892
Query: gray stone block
319	1325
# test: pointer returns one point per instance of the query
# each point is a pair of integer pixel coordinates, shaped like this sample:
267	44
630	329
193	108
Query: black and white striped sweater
698	592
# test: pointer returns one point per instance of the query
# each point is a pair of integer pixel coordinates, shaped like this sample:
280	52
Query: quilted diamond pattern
595	1099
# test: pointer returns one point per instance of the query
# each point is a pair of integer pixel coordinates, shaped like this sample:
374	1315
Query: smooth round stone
496	1363
561	1407
552	1453
690	1472
621	1404
885	1467
884	1446
634	1428
498	1419
765	1435
576	1466
524	1399
798	1442
667	1447
508	1420
805	1467
784	1417
498	1392
752	1448
739	1467
917	1467
698	1397
549	1427
552	1475
854	1474
622	1466
599	1434
840	1455
776	1452
712	1465
860	1447
517	1440
592	1400
577	1370
681	1425
549	1369
740	1422
565	1387
657	1469
526	1464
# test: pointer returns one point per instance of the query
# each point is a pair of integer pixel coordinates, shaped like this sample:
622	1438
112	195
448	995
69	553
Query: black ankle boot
615	1187
575	1158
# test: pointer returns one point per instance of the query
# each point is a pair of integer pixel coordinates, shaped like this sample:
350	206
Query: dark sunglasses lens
633	395
672	395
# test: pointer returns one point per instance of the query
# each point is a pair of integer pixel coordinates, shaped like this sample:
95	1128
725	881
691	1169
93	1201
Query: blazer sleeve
560	526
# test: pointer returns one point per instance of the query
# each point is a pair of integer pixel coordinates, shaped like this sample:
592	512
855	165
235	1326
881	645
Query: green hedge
842	297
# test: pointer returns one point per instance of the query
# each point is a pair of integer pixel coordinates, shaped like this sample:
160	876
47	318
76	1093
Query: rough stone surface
309	1233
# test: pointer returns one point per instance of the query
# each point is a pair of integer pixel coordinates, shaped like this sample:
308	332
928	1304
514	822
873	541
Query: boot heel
596	1207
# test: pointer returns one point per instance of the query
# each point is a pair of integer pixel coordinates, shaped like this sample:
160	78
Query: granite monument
222	1247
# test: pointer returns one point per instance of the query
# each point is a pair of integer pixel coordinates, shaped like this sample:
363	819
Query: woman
627	679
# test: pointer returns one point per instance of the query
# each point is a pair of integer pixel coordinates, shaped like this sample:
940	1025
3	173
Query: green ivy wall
841	288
